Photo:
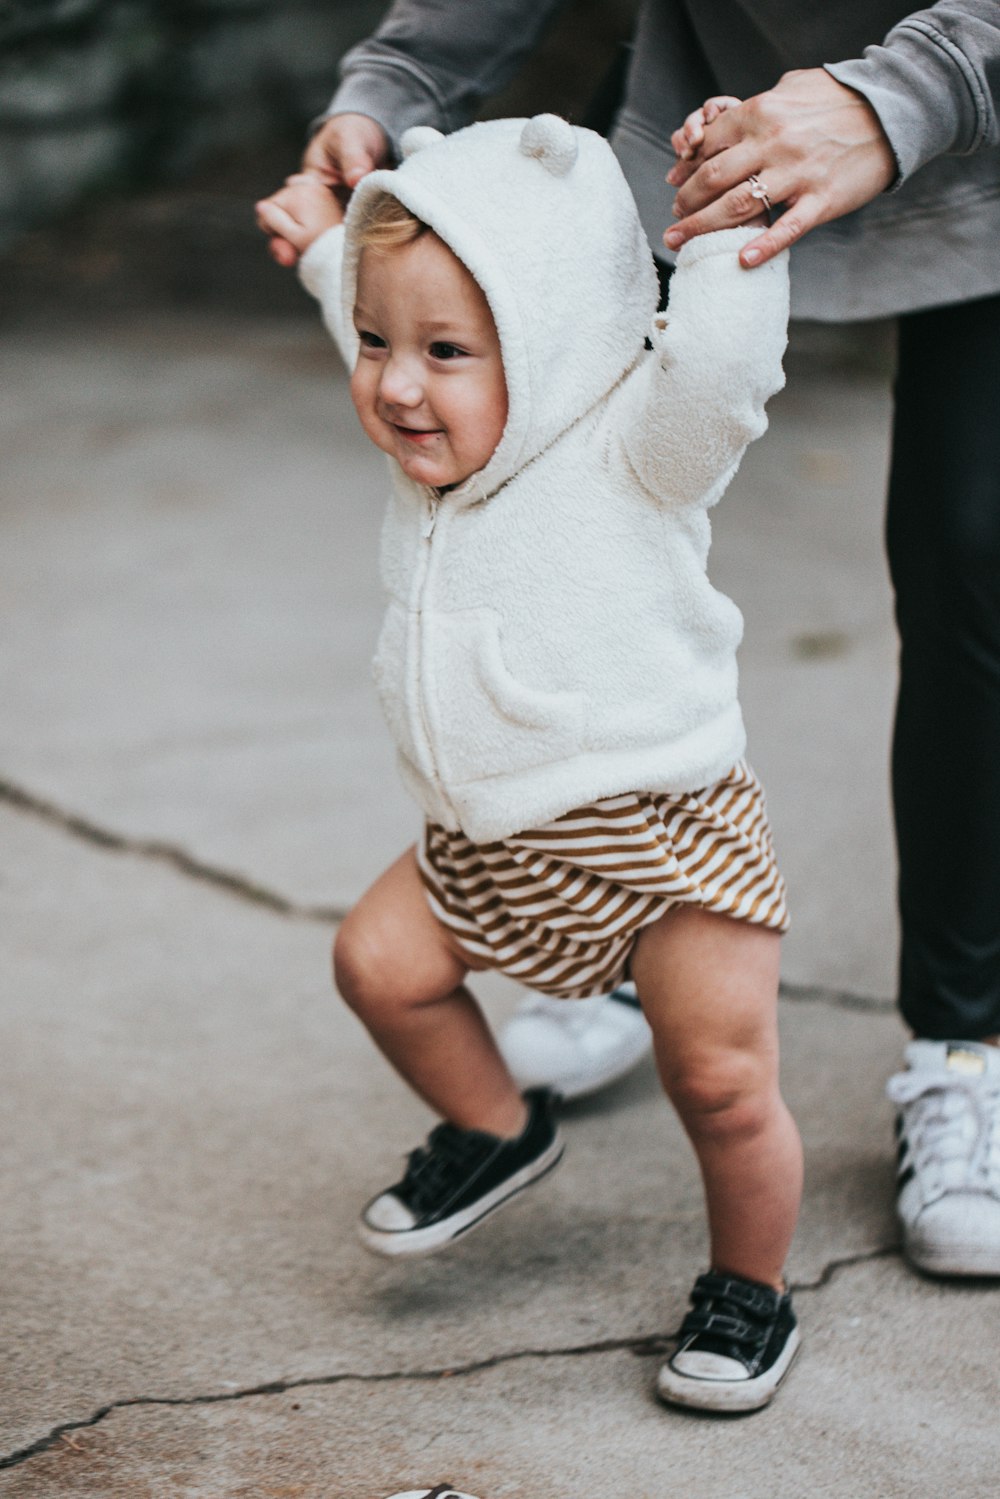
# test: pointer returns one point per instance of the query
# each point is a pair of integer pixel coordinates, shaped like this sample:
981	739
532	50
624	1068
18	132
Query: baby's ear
552	141
417	137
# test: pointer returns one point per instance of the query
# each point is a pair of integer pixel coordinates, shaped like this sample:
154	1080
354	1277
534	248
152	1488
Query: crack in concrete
846	1262
641	1347
242	888
164	853
840	999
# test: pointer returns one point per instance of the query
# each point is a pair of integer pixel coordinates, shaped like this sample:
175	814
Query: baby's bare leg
402	975
709	987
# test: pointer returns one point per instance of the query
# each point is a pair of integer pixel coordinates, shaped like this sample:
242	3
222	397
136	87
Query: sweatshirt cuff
925	93
719	242
393	93
323	256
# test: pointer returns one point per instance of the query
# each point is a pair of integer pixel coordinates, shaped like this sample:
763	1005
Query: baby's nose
399	386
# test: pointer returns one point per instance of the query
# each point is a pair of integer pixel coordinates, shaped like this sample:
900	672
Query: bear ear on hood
551	141
417	137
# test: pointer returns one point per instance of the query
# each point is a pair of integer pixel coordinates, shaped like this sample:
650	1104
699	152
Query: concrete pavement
195	781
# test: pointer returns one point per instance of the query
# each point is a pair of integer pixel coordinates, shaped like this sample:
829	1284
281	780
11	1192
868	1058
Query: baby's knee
723	1093
359	966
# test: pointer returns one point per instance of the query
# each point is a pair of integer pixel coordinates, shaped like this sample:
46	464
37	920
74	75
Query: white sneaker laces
953	1129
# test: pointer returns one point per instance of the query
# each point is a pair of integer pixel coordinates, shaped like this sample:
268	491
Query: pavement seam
644	1347
242	888
841	999
164	853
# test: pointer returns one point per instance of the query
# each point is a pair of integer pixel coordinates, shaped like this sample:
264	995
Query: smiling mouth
416	434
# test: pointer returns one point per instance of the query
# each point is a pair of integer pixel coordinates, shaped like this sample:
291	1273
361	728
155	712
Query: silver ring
758	190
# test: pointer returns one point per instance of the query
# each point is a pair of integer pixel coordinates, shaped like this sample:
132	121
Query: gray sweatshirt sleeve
934	82
431	62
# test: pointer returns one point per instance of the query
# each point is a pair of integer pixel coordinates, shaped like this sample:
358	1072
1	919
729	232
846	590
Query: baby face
429	384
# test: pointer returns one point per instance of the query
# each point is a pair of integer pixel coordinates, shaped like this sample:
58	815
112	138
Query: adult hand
815	145
343	150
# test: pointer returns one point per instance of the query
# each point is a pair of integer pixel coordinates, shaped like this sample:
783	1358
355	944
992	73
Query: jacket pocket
484	721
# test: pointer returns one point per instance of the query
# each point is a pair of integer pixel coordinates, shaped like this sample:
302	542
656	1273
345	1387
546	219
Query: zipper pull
430	519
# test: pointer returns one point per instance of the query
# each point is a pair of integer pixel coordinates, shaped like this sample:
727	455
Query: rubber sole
413	1242
727	1395
972	1261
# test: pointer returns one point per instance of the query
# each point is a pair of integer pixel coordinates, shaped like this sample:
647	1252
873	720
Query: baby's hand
298	213
687	141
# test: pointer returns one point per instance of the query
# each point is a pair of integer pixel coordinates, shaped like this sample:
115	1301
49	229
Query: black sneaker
457	1179
735	1346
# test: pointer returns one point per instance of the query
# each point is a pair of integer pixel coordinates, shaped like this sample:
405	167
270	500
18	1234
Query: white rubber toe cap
389	1214
708	1366
957	1235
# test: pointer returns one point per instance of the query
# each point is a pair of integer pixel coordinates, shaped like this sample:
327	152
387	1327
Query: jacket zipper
430	520
427	533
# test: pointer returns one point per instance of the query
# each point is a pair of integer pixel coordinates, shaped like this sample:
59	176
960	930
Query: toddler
560	680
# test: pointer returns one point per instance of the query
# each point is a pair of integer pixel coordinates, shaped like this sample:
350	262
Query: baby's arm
698	400
309	216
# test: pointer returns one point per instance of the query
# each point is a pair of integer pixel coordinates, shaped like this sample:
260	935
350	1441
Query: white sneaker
948	1129
576	1046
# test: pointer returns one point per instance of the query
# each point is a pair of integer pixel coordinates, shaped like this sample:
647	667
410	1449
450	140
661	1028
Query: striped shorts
559	908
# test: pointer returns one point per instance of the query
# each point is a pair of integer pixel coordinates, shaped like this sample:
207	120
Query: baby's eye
370	340
447	351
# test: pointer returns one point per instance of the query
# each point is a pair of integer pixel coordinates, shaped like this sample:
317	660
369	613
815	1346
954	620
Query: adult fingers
728	122
346	149
718	175
681	171
738	206
796	221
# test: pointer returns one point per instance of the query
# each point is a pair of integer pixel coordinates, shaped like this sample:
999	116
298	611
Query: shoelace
954	1130
433	1169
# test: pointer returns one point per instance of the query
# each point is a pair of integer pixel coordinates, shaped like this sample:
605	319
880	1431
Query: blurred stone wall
136	135
112	94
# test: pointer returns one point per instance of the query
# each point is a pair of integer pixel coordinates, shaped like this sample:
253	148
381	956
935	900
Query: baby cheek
361	393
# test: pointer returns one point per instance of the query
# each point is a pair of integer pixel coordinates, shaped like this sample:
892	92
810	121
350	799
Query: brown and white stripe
559	907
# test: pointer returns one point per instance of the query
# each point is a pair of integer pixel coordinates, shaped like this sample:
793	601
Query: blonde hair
387	225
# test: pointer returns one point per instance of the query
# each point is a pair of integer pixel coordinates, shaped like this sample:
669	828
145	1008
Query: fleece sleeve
697	400
321	273
934	82
431	62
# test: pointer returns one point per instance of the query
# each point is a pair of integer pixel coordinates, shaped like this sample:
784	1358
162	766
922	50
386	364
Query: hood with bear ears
539	212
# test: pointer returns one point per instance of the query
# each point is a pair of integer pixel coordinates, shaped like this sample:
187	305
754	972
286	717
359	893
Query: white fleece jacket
551	635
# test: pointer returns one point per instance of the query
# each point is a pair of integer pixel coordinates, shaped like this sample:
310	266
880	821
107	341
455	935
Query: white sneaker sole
723	1395
407	1243
955	1259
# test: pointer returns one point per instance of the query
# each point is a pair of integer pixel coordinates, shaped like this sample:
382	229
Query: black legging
943	538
